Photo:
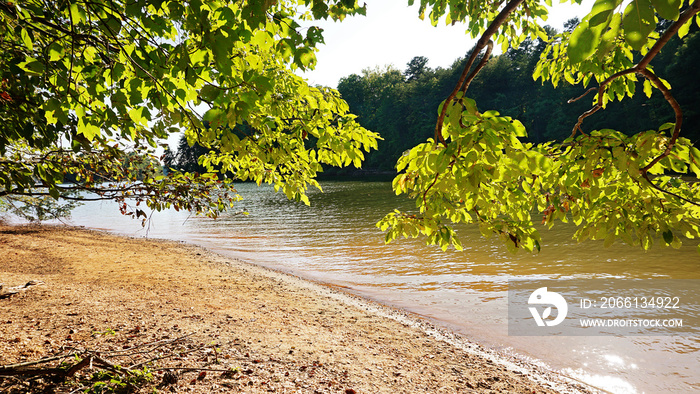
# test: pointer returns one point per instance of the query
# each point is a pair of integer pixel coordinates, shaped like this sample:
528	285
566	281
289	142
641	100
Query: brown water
336	241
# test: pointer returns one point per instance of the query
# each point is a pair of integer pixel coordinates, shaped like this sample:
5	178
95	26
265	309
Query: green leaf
315	35
27	39
76	14
667	9
305	58
668	236
583	42
53	192
216	117
56	52
608	39
683	31
209	92
647	88
54	112
638	22
89	130
139	115
263	83
112	25
32	67
601	12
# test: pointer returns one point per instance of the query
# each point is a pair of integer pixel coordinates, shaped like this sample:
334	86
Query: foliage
416	67
84	83
37	208
476	169
376	97
127	381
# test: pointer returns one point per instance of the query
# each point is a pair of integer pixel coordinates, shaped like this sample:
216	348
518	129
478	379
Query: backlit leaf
583	42
27	39
638	22
601	12
667	9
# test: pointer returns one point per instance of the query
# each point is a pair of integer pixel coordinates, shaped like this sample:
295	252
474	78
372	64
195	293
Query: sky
392	34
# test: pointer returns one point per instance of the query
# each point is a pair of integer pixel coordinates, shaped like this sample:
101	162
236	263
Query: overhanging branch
677	111
483	42
641	68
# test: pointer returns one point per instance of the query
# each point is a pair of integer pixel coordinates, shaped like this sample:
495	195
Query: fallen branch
37	362
193	369
169	355
155	345
90	359
56	371
93	359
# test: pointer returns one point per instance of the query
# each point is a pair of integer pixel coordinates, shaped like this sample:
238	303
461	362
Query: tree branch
685	16
482	63
599	103
573	100
676	109
480	45
641	68
646	177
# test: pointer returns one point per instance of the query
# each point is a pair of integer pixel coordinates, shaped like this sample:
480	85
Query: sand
203	323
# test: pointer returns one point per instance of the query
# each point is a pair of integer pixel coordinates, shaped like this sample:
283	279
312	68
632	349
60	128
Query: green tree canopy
477	169
416	67
85	81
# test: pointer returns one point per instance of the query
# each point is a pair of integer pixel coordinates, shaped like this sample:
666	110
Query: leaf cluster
477	169
86	82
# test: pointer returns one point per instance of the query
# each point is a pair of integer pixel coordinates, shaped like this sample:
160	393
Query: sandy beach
189	320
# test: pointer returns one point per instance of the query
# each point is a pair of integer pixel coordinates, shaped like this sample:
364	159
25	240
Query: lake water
335	241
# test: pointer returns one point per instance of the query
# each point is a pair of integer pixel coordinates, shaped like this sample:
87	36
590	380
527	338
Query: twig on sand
20	370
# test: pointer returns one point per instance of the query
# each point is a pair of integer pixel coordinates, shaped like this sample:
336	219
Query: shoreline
356	341
430	326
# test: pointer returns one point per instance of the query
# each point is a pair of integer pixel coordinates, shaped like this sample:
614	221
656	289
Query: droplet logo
543	297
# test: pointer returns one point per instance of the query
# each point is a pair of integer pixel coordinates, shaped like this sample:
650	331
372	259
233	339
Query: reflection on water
335	240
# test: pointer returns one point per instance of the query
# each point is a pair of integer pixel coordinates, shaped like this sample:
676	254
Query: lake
335	241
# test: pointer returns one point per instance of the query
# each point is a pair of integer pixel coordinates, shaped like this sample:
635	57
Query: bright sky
392	34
